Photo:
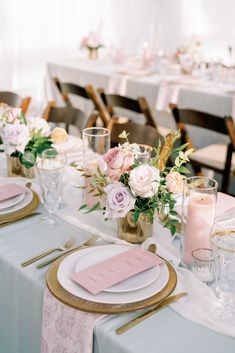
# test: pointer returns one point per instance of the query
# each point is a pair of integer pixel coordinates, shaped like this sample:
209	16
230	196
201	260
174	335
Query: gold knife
163	304
6	223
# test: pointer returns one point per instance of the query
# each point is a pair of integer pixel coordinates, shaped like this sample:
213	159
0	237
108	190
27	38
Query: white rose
35	124
15	137
144	180
174	182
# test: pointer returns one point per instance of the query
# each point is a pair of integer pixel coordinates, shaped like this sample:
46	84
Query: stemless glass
198	215
223	243
50	177
203	265
96	142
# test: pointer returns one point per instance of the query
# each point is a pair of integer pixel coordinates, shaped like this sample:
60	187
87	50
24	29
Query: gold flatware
68	245
7	222
88	243
152	248
164	303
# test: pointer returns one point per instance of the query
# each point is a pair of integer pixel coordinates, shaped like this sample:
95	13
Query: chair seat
213	156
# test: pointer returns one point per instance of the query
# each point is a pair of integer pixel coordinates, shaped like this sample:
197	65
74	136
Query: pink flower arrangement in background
92	41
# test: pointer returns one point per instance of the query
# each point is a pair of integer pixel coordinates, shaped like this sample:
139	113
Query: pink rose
174	182
119	200
118	162
144	180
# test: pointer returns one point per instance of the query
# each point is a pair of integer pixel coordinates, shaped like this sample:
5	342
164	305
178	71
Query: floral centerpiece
134	192
188	56
92	42
24	139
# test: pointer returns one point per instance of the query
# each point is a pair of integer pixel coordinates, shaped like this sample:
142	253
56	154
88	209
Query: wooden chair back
87	92
222	125
138	133
14	100
67	115
139	105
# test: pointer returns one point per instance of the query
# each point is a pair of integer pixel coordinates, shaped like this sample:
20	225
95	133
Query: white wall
175	21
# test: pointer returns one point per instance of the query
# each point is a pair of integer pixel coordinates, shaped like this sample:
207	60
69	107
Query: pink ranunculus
118	161
174	182
144	180
15	137
119	200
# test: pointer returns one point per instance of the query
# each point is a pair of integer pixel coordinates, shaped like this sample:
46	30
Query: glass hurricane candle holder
198	216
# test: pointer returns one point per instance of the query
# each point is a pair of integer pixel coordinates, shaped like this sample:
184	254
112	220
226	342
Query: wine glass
223	242
52	154
50	176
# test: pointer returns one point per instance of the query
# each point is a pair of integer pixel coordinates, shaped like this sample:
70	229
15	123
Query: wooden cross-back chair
86	92
67	115
138	133
217	157
139	105
14	100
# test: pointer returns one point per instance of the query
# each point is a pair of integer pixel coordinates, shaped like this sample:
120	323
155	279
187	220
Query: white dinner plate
66	269
138	281
25	201
71	144
11	201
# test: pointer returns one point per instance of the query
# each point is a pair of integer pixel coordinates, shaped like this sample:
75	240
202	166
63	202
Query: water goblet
50	177
52	154
223	242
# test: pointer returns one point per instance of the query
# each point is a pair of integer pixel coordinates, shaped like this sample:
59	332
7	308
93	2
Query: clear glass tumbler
198	216
96	142
203	265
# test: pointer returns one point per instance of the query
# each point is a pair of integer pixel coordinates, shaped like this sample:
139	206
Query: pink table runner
65	329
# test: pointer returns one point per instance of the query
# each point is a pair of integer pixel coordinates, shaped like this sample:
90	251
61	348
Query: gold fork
68	245
88	243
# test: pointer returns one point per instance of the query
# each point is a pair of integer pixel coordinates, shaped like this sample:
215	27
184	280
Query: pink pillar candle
200	220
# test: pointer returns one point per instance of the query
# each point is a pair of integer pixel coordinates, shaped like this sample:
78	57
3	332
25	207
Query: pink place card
114	270
10	190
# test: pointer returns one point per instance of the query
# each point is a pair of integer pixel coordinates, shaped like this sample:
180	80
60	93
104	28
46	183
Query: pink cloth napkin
65	329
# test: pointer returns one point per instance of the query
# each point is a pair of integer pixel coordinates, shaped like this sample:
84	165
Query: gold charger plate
85	305
21	212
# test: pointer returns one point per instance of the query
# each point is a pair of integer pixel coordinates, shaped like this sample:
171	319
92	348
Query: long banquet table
197	92
21	301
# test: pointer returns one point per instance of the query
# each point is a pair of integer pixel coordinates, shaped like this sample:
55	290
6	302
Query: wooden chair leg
25	104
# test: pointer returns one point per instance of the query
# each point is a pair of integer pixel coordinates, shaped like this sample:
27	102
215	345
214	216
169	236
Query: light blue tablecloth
21	296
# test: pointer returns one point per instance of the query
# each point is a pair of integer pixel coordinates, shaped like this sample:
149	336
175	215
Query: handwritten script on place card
115	269
10	190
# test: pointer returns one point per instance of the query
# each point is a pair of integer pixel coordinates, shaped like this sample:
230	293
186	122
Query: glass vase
135	232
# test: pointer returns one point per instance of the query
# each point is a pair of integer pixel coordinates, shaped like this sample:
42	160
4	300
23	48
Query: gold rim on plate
85	305
21	212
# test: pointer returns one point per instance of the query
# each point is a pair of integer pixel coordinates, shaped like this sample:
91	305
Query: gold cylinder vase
135	232
15	168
